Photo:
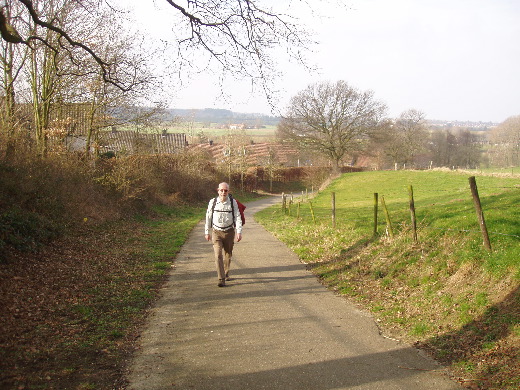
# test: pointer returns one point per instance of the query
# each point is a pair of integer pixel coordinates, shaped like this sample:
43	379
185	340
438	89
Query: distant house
237	126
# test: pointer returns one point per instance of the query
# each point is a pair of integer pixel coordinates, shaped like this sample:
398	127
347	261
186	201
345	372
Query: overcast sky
451	59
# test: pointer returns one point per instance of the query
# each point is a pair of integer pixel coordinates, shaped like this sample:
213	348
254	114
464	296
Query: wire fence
301	207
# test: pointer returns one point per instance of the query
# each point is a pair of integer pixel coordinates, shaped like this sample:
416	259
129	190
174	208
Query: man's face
223	192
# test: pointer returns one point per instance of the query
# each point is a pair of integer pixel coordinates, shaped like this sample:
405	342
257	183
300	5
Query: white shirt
222	216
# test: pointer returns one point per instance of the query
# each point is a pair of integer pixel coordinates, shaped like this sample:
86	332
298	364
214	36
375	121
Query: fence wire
320	212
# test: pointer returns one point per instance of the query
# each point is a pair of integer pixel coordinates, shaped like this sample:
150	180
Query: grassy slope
445	292
72	312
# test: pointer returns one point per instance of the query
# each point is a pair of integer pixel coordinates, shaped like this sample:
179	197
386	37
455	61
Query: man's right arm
208	222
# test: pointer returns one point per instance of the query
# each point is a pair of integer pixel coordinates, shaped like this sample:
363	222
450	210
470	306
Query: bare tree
333	119
455	149
441	146
7	105
108	105
12	61
506	140
410	135
50	30
399	141
43	78
382	147
468	149
58	78
238	34
235	154
271	163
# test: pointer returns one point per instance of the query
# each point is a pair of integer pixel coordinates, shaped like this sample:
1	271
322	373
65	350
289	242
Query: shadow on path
274	327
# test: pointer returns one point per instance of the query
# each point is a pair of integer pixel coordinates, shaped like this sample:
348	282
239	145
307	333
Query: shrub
25	230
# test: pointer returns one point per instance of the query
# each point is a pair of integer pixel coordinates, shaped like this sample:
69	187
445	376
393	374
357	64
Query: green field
443	203
198	131
445	291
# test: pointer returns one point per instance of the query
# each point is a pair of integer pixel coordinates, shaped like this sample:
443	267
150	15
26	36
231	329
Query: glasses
222	190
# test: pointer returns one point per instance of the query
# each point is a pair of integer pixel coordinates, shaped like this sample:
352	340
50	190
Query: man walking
224	222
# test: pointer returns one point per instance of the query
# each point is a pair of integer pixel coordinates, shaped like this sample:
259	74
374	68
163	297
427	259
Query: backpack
241	209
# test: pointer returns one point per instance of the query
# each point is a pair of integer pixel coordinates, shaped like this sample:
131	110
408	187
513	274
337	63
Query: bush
186	177
43	196
25	230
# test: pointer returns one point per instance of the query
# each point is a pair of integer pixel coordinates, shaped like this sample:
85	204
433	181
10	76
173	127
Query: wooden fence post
376	195
387	216
480	213
283	202
333	210
298	210
312	212
412	213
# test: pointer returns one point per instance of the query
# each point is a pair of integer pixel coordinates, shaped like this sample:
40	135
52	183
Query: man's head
223	191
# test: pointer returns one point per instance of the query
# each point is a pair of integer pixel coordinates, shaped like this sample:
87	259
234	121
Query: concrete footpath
274	326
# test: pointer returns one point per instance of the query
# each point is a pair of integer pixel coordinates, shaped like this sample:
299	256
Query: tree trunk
336	170
7	115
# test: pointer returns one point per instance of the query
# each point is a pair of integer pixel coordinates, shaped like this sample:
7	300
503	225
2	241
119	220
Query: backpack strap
232	209
213	207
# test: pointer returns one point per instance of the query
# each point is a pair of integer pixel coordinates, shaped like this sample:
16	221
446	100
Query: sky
451	59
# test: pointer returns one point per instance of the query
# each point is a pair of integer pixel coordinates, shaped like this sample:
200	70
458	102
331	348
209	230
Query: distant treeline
213	115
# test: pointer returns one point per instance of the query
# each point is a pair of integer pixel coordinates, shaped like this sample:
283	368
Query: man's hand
239	237
208	237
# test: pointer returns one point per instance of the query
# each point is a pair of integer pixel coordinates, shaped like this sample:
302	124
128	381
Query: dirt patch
61	326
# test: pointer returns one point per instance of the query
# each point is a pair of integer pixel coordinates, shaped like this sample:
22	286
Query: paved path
274	326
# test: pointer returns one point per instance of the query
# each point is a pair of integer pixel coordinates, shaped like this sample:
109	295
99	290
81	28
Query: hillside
220	116
444	292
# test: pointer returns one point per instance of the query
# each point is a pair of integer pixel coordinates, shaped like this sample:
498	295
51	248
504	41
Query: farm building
132	142
254	154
